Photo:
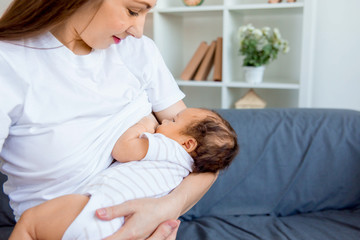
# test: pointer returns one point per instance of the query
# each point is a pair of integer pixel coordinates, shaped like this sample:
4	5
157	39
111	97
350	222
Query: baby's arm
129	147
50	219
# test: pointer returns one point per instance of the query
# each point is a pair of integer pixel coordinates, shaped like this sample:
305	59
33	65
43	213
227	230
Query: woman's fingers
143	218
166	231
109	213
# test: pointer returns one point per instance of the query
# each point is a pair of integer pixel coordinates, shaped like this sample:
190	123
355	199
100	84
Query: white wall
3	5
336	76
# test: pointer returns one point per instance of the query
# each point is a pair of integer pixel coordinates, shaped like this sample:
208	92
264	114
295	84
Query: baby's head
205	135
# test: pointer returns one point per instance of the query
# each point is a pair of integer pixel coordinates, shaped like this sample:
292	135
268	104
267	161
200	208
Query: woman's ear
189	144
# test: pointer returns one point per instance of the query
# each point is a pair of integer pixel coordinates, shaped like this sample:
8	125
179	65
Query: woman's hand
146	218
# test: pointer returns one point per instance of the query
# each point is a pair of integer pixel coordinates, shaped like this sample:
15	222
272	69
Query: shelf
266	6
178	31
231	8
264	85
193	83
190	9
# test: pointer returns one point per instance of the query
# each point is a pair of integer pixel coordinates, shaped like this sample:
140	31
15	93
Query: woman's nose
137	29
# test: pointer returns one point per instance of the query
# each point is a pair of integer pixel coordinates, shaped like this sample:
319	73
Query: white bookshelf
178	31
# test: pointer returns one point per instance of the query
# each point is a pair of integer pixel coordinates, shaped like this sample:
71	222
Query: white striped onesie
163	168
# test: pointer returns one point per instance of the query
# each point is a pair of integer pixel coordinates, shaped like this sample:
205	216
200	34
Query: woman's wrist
175	204
189	192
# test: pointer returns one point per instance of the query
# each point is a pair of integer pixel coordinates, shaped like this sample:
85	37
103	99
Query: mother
72	76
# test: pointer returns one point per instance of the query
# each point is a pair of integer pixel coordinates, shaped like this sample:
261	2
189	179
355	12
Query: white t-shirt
162	169
61	114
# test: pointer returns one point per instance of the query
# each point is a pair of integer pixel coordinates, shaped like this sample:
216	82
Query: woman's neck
71	39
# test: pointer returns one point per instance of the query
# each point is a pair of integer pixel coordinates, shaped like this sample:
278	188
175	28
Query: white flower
286	47
250	27
277	34
257	33
261	44
266	31
242	32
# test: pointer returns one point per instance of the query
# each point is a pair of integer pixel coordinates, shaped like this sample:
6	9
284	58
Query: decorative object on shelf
260	46
274	1
250	100
279	1
193	2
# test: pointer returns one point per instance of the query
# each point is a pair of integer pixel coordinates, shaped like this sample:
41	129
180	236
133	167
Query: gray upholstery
6	216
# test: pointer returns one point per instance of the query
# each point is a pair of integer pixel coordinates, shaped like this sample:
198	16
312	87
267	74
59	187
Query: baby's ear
189	144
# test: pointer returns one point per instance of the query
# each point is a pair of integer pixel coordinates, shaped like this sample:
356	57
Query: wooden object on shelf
206	65
193	2
274	1
195	61
250	100
218	60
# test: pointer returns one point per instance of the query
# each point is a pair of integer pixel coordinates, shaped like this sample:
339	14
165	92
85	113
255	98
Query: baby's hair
216	143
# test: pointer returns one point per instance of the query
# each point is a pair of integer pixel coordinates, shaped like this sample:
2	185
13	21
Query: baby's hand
149	123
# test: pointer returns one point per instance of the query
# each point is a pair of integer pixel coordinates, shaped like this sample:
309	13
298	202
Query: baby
196	140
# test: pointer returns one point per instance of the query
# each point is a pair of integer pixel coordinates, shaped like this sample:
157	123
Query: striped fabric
162	169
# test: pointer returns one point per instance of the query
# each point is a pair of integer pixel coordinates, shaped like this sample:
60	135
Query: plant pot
254	74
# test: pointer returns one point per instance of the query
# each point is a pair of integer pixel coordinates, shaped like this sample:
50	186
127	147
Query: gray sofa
297	176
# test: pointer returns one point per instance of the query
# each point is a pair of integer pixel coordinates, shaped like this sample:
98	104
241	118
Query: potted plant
259	47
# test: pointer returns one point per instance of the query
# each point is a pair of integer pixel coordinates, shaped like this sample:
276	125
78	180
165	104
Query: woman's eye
173	119
132	13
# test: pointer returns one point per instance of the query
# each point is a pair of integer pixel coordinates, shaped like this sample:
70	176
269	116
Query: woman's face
100	26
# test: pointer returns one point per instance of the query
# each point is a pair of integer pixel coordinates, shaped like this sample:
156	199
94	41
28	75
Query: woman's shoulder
8	48
40	42
11	54
25	51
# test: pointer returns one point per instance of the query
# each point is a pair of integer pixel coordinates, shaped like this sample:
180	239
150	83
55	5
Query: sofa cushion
329	225
291	161
6	214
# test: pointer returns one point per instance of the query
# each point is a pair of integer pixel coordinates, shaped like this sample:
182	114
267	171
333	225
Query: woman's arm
144	215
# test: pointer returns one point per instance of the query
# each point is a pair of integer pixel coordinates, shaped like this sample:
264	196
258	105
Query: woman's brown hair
29	18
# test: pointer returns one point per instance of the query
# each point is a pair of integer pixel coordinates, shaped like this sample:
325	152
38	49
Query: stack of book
205	57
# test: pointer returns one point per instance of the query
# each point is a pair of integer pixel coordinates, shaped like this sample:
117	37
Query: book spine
206	64
195	61
218	60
